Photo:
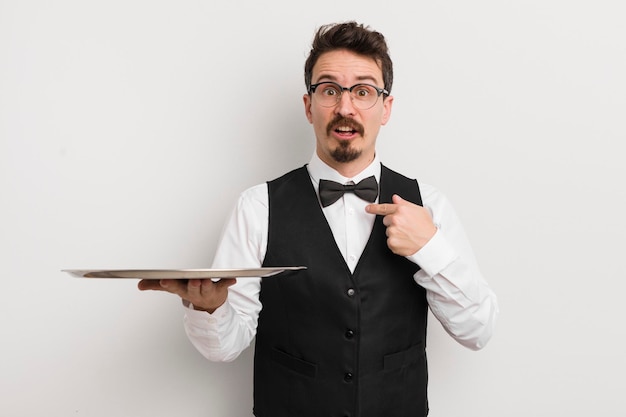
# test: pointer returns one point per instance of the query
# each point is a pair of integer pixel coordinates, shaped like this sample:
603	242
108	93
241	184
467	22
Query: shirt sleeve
457	293
229	330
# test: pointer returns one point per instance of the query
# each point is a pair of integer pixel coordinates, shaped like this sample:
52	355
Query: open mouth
345	127
345	130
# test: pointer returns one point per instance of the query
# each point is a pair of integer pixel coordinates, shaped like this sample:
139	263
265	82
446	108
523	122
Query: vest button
351	292
349	334
348	377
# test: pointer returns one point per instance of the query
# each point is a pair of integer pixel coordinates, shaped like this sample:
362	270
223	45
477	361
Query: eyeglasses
363	96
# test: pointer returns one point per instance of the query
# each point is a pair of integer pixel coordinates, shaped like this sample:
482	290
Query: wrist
207	309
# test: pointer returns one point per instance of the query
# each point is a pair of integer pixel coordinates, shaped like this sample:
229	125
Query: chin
345	153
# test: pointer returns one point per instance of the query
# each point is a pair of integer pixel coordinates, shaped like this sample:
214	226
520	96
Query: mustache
344	121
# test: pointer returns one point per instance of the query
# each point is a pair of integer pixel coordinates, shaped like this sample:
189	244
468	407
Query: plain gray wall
128	128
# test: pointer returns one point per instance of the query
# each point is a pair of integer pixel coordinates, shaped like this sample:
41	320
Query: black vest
330	342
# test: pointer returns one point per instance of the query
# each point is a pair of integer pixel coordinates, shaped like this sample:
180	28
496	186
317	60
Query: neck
348	169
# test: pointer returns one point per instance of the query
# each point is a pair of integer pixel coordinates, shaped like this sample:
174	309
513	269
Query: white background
128	128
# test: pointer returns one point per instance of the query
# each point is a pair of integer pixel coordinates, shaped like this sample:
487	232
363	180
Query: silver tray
180	273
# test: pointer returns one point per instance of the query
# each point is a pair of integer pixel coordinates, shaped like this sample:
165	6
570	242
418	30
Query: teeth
344	129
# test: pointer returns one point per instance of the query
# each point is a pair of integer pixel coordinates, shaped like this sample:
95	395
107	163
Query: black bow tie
331	191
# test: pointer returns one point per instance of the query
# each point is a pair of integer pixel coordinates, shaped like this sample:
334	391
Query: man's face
346	135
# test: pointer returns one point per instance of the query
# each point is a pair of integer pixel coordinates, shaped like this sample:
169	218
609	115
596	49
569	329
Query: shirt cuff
222	314
435	256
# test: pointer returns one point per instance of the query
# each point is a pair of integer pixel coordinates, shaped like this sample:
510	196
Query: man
346	336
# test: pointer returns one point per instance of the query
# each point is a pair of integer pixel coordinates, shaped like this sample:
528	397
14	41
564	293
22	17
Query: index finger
381	209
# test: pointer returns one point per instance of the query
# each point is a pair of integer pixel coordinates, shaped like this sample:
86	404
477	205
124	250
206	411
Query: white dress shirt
457	293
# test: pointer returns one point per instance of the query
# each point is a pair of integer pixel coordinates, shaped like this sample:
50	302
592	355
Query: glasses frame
341	89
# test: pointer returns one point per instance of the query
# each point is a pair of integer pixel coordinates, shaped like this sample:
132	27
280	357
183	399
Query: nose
344	106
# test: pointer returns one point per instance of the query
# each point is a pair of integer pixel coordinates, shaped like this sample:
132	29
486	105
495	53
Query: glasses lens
327	94
364	96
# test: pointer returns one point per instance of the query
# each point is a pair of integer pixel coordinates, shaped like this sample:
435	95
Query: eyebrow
362	78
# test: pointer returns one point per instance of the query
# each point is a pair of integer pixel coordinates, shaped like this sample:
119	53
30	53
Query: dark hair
353	37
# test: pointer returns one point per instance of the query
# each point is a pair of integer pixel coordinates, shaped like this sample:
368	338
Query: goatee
345	153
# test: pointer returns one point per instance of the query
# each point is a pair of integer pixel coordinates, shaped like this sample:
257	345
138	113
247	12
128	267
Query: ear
387	104
307	107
